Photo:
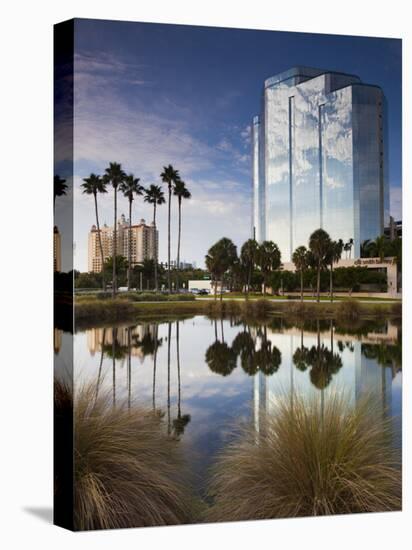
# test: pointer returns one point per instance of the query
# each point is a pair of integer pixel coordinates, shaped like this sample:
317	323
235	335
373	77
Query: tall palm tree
92	186
248	257
154	195
130	187
170	177
59	187
115	176
220	257
319	245
268	259
300	259
335	254
181	192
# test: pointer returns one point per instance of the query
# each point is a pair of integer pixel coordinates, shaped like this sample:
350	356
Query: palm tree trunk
155	247
301	285
100	240
169	281
178	243
318	283
129	267
221	289
331	282
114	284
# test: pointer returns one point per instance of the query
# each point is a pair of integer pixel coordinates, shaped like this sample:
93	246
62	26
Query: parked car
203	292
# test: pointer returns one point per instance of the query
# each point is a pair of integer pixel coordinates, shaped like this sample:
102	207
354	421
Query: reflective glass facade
319	159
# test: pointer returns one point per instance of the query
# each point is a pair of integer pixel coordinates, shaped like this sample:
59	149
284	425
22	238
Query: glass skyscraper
318	151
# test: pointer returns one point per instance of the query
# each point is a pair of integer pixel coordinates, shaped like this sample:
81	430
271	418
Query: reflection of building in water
353	372
145	239
319	159
97	336
57	250
57	339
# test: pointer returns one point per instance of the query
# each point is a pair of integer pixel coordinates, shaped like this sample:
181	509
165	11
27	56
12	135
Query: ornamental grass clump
308	460
128	471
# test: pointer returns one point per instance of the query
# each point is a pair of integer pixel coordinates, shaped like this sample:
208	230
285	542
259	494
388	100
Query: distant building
183	264
318	159
57	250
145	243
394	229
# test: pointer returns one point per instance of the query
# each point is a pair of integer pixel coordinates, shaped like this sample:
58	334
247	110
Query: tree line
131	187
321	255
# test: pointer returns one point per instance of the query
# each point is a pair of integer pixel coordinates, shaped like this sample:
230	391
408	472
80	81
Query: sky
148	95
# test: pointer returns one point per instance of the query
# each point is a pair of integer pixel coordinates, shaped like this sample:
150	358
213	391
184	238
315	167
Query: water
206	375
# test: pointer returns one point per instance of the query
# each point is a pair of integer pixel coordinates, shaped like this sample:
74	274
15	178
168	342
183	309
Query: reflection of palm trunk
154	369
129	365
221	329
101	362
215	330
114	334
169	335
178	369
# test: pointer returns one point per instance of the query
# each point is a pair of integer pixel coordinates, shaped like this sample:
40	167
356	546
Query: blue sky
147	95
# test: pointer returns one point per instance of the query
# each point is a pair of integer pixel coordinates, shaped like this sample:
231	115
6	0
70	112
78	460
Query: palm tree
335	254
91	186
268	259
220	257
59	187
154	195
170	176
319	245
181	192
300	259
115	176
248	257
130	187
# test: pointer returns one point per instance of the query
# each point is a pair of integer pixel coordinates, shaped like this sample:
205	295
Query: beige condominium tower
145	242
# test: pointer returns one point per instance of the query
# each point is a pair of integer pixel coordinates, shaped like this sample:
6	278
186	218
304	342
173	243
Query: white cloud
143	138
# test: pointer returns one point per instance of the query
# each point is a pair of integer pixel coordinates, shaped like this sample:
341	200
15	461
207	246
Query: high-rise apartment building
145	243
318	151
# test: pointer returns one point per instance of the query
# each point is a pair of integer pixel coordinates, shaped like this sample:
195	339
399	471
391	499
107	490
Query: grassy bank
93	312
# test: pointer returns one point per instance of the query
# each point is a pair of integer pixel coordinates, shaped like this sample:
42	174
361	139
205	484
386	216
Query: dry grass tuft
305	463
128	471
348	310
